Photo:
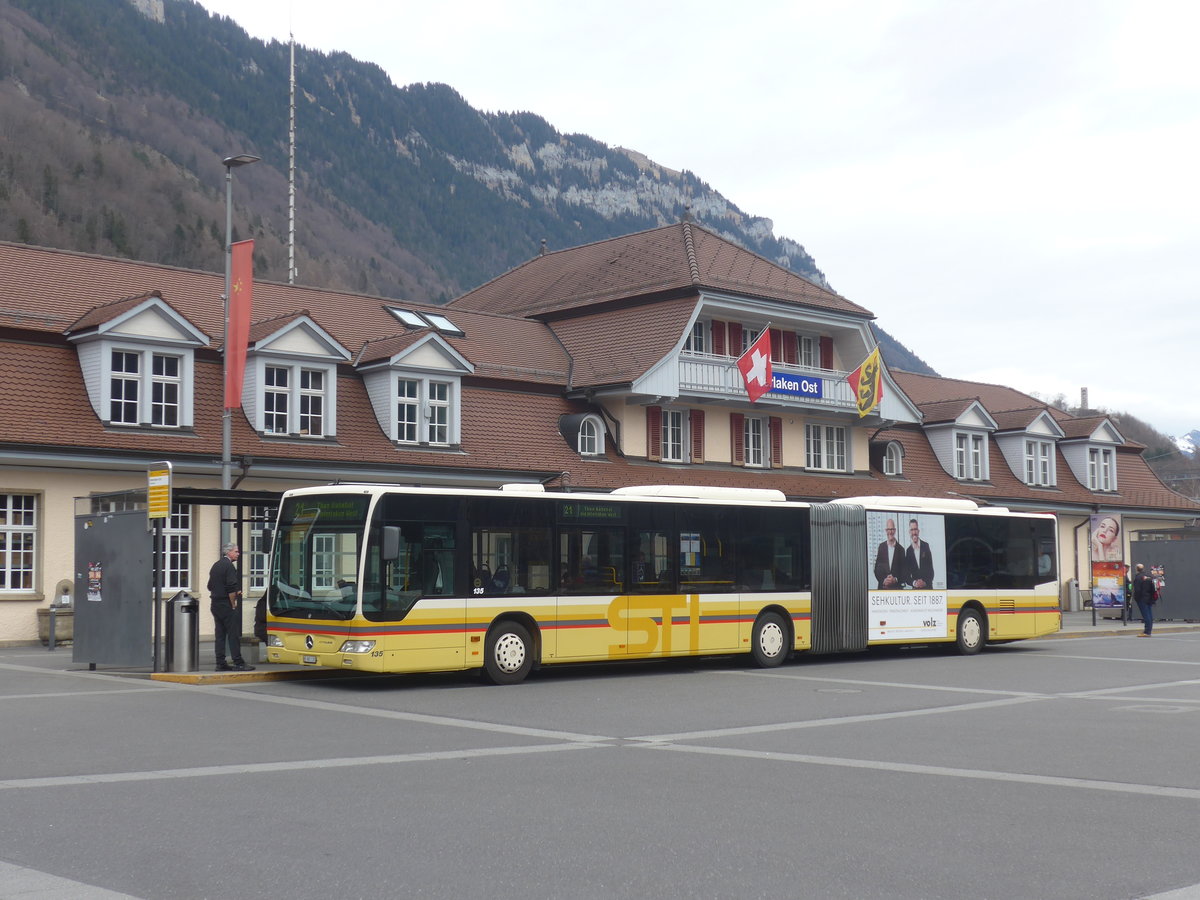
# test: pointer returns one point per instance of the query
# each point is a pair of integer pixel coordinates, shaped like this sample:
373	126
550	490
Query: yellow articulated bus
377	578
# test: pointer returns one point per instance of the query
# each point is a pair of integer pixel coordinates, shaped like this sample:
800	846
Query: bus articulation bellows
378	578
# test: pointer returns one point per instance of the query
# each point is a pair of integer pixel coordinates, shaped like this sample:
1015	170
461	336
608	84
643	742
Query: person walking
225	592
1143	596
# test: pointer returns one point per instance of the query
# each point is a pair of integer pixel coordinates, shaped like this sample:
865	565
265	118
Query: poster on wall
94	579
906	556
1107	542
1108	585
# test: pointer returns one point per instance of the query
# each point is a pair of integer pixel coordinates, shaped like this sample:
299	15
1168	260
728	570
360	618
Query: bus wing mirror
391	543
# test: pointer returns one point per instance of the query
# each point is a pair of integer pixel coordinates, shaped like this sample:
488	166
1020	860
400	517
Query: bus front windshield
314	567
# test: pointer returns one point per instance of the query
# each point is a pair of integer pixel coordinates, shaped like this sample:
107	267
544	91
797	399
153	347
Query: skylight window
408	317
441	323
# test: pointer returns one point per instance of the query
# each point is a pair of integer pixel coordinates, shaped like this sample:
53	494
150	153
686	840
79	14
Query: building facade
596	367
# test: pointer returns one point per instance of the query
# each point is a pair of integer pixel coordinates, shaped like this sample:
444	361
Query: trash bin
183	633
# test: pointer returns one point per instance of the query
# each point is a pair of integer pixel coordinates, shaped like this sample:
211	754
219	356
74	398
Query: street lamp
230	163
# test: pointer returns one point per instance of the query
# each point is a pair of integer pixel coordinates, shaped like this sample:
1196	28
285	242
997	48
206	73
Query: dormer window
137	360
424	408
970	457
1102	469
144	388
291	378
1039	463
591	437
893	459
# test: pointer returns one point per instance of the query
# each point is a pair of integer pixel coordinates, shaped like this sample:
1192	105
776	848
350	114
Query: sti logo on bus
798	385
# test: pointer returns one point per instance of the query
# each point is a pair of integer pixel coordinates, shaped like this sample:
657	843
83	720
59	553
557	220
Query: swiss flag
755	366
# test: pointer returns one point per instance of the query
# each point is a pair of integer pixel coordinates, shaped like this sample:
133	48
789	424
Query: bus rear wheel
970	639
508	653
769	640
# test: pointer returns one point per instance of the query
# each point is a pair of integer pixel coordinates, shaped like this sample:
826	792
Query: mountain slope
116	125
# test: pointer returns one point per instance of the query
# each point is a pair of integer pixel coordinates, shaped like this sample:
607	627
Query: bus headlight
274	640
357	647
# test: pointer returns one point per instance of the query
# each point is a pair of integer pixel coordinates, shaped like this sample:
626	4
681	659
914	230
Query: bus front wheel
508	654
970	638
768	641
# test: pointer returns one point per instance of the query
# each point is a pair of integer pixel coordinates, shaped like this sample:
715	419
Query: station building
596	367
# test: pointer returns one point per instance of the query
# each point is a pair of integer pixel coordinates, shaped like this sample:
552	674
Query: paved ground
1060	768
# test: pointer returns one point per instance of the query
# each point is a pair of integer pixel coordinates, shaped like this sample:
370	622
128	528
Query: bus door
590	621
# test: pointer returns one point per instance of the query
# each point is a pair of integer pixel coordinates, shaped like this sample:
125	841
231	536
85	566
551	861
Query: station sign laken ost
906	554
798	385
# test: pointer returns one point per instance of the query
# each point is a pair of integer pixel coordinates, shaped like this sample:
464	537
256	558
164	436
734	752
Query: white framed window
1039	463
408	410
674	432
893	459
275	399
295	399
808	350
749	336
825	447
177	549
591	437
439	412
124	387
426	411
145	388
755	442
697	341
312	402
970	457
165	380
18	541
1102	469
256	554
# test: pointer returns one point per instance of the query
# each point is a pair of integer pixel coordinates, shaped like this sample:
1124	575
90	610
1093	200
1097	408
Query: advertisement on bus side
906	556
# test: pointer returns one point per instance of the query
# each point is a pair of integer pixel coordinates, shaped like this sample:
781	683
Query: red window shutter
737	436
735	339
654	433
697	423
718	338
775	427
778	347
826	353
791	348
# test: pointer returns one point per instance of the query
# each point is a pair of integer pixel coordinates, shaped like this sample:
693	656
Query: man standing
1143	596
889	560
225	591
918	559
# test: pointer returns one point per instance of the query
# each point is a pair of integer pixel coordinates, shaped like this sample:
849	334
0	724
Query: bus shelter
118	616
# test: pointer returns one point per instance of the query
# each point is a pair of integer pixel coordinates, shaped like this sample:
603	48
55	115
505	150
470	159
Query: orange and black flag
867	383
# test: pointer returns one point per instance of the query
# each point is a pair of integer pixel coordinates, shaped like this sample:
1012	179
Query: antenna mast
292	163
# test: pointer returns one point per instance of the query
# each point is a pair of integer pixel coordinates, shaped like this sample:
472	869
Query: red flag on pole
755	366
241	289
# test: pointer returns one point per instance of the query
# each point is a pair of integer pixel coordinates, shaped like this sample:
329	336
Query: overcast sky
1011	187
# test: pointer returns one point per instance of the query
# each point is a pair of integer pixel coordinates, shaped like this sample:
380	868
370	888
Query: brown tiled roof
53	290
683	257
945	410
618	345
106	312
925	389
1017	419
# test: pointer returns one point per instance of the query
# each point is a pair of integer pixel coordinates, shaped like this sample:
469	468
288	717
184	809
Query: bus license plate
310	660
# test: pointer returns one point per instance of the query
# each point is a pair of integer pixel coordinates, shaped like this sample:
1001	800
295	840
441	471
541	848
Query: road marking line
1152	790
822	723
287	766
